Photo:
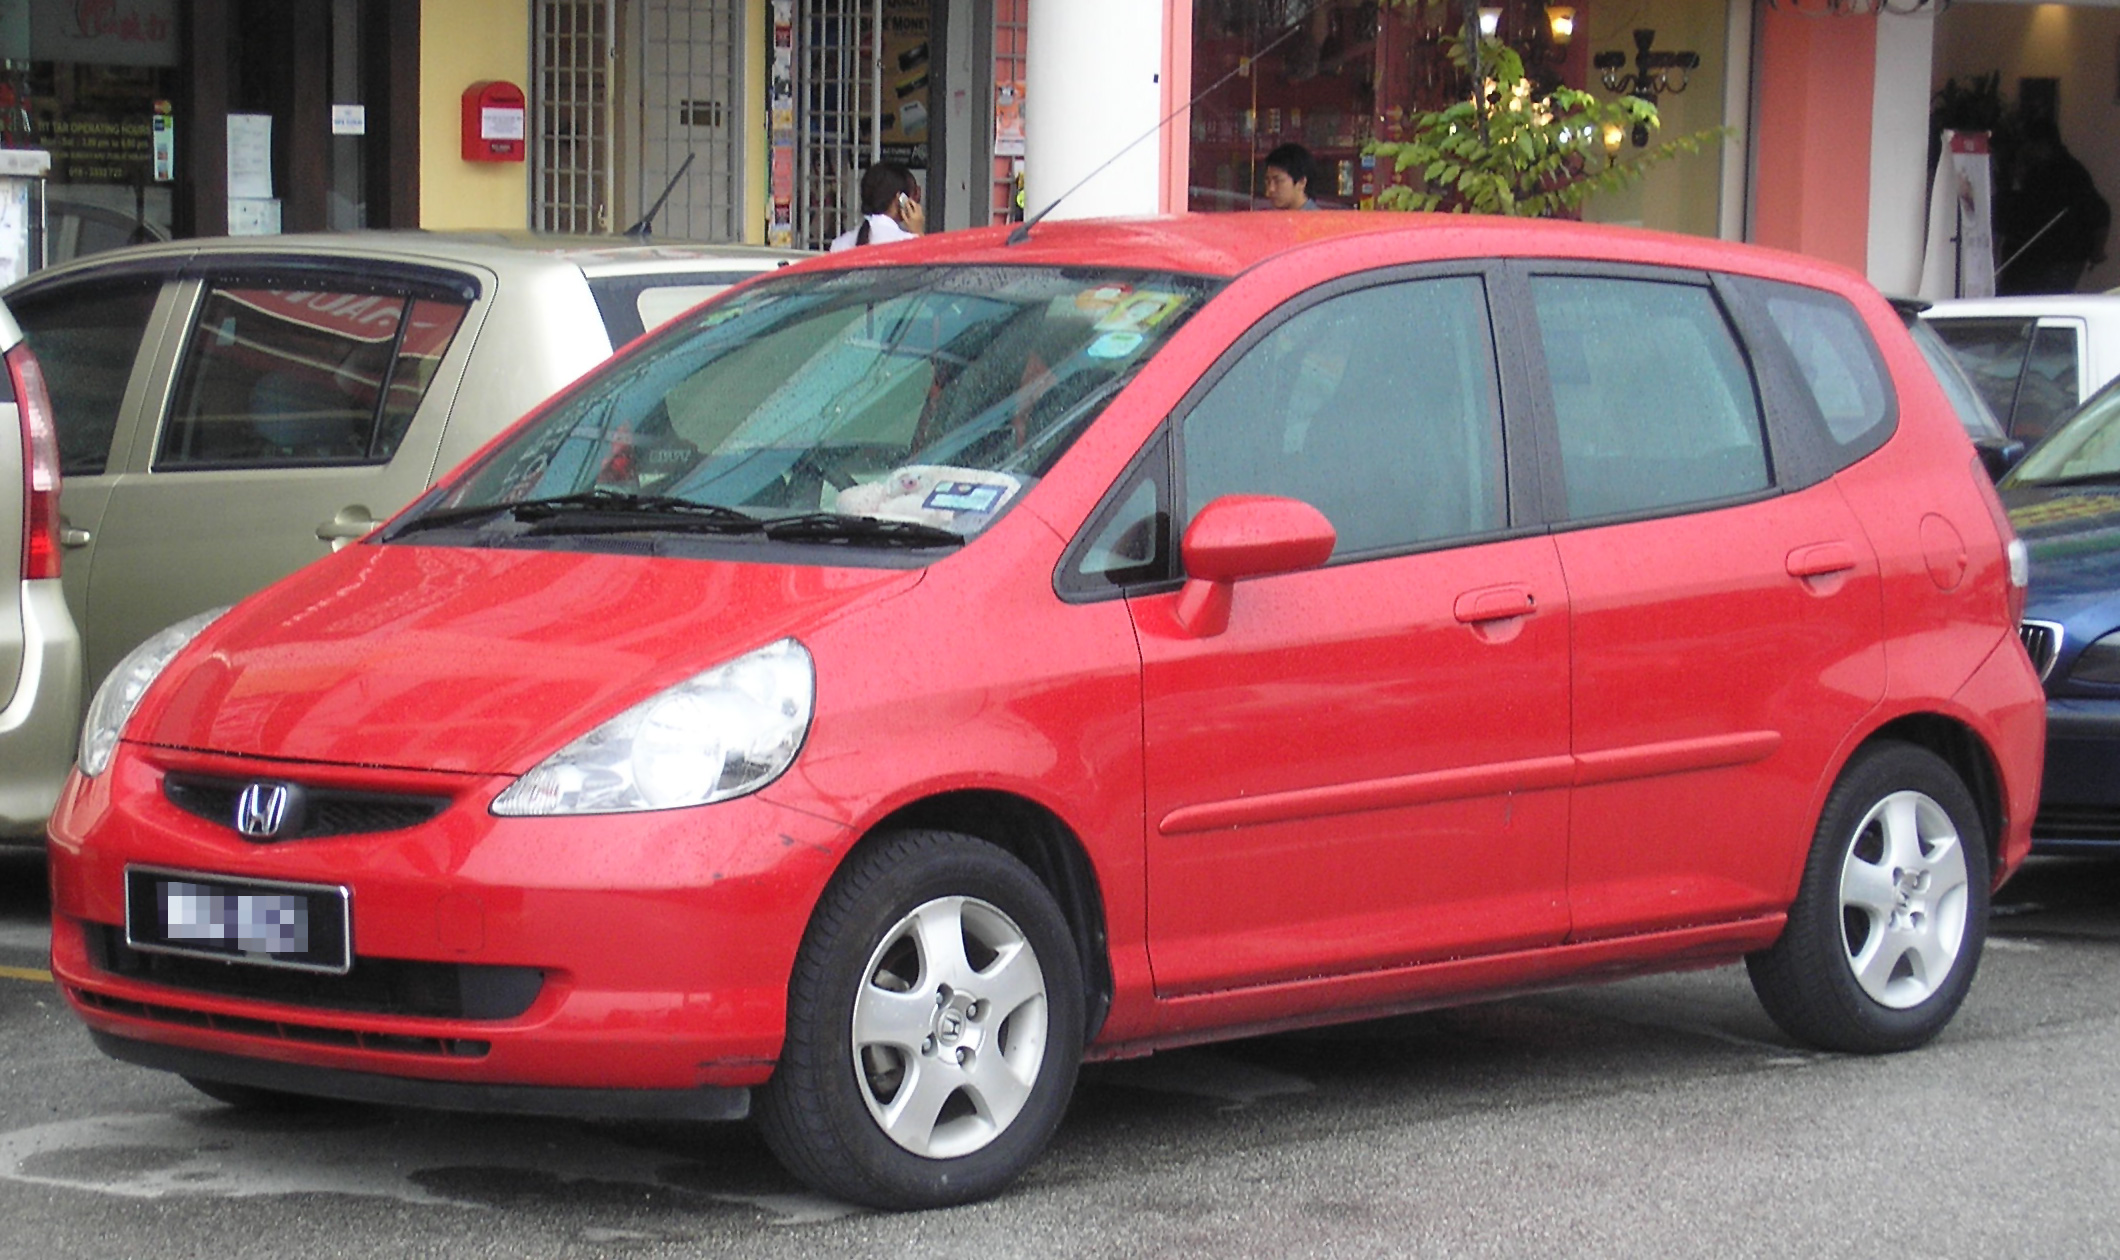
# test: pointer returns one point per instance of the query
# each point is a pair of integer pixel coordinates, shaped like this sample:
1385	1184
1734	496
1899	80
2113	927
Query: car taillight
2013	549
40	466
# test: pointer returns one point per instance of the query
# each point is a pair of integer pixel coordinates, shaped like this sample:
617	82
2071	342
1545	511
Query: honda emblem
262	809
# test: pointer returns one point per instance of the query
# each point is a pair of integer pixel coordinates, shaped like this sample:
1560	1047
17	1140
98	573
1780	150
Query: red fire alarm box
494	113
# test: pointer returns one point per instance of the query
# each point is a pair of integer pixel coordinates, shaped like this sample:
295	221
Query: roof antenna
1022	232
646	227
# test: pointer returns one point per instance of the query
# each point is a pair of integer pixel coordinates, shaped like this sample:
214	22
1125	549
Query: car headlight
120	693
2099	663
722	733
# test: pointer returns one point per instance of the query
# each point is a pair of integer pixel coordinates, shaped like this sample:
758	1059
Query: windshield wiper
838	527
443	518
624	504
594	512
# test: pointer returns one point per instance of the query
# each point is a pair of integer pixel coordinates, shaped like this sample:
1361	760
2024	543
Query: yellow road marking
25	973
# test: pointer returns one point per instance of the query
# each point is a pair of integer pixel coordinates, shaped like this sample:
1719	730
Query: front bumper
704	1103
2079	801
620	953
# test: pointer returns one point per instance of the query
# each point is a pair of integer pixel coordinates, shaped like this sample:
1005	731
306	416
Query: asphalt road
1661	1117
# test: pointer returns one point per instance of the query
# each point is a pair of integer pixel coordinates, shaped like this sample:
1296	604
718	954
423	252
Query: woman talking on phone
890	208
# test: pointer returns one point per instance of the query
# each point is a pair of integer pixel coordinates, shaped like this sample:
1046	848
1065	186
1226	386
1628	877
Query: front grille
378	986
324	811
2042	641
347	1038
2077	822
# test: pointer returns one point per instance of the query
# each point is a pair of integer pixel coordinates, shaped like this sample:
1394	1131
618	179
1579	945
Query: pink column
1811	134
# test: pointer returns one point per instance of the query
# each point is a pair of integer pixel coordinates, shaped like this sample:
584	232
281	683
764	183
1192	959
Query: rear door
289	418
1726	607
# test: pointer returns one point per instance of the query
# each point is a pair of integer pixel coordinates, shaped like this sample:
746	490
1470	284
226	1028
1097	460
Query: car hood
2073	535
471	660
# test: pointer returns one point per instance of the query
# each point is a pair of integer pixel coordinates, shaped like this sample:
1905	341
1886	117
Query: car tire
935	1026
1886	932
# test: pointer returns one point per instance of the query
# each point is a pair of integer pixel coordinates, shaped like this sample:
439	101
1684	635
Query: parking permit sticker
1114	345
1100	300
963	496
1140	310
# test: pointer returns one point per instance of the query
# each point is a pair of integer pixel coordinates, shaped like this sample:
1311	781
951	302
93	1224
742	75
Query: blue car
2064	499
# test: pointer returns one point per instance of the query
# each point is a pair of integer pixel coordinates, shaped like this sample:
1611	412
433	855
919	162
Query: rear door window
2052	373
87	337
1654	403
2027	370
283	377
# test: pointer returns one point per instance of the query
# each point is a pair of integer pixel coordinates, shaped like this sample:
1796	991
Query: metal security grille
691	82
833	82
575	156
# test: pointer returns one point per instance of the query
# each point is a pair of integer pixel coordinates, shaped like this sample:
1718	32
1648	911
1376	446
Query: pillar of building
1899	149
1817	79
1093	94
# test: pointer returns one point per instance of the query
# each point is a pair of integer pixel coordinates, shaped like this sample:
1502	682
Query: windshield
824	404
2085	448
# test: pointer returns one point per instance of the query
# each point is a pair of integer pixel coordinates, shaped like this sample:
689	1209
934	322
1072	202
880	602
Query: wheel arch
1042	841
1961	747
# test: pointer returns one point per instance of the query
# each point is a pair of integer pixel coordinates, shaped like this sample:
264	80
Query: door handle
72	537
1494	603
350	523
1821	560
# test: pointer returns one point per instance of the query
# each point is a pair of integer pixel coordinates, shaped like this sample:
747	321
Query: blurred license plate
303	926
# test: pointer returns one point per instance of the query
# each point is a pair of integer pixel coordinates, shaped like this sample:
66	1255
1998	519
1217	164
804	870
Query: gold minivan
229	410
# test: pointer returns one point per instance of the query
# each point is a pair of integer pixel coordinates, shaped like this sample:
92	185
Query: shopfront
196	117
1337	75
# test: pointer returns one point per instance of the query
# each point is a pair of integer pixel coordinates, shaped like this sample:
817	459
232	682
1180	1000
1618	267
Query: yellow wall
1683	194
462	42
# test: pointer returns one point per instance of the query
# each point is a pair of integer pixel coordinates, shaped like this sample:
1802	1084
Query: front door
1368	767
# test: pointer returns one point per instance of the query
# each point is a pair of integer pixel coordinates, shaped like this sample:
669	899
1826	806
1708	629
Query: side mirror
1241	536
1999	454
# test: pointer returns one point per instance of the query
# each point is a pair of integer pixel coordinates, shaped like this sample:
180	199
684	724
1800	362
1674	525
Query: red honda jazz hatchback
921	670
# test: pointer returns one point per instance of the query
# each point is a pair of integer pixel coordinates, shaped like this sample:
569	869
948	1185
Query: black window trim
380	276
1152	462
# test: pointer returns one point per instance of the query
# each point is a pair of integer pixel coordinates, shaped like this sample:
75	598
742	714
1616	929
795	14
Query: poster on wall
1008	119
780	106
907	79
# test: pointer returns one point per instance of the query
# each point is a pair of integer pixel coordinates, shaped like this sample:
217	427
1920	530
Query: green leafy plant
1507	149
